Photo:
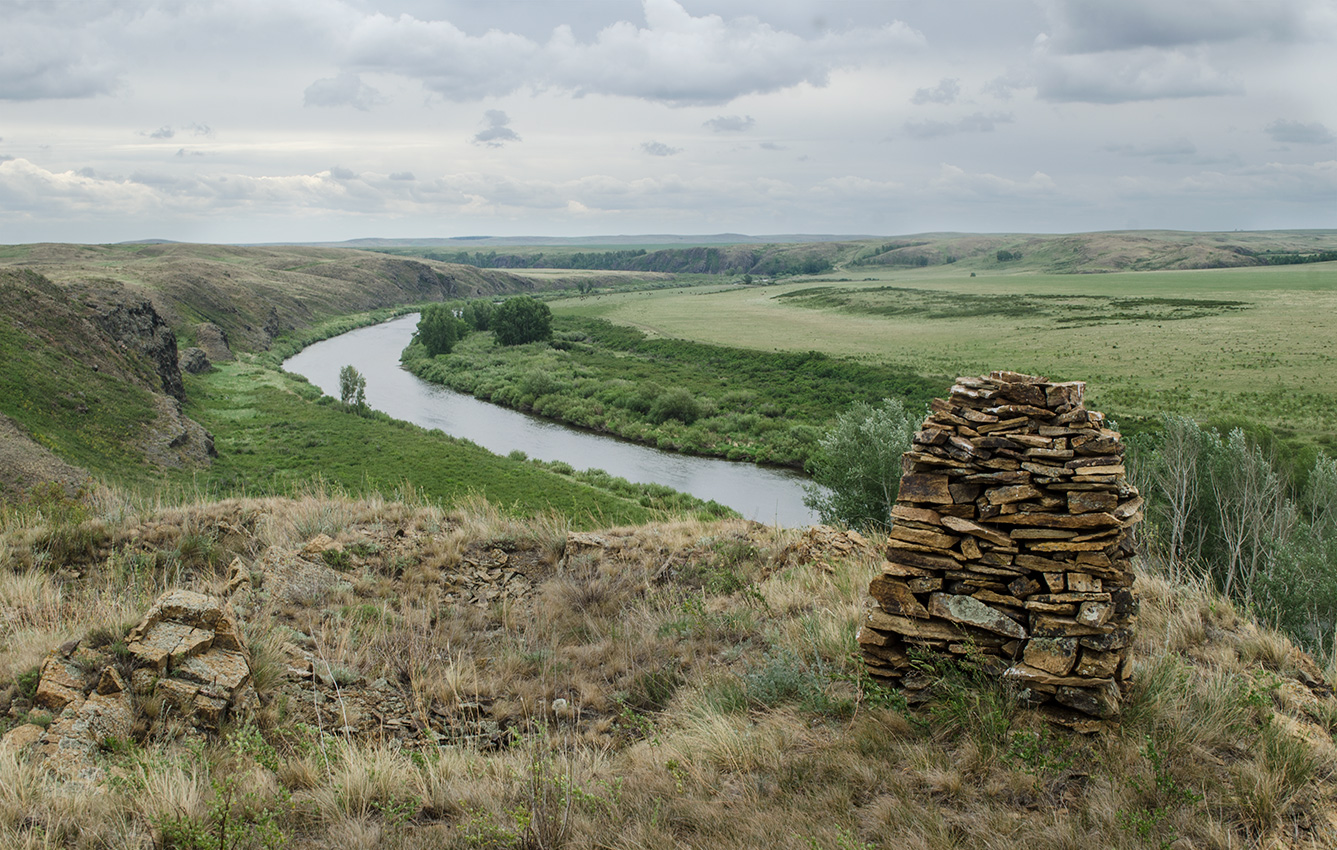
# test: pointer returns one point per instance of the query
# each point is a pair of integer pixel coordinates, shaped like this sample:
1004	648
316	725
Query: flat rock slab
970	611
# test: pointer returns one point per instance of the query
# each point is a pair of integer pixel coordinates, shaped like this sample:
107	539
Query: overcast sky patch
343	90
976	123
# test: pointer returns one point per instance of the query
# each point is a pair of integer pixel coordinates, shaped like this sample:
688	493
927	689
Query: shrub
677	404
857	464
439	329
521	319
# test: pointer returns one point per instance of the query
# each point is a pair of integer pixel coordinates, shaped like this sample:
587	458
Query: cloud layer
254	121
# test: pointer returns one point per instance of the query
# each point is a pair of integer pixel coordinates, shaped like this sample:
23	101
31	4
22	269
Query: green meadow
1219	345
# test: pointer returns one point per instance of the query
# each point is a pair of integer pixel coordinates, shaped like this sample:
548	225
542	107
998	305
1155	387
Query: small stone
1094	613
110	682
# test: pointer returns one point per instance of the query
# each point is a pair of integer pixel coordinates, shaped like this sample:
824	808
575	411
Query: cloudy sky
272	120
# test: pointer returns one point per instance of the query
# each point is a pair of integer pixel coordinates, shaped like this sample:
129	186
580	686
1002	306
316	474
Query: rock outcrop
194	361
132	321
1010	540
213	341
189	652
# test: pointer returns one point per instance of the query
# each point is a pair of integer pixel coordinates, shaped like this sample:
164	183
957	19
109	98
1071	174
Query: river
765	494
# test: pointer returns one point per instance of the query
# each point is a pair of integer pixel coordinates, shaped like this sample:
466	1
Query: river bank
686	397
764	494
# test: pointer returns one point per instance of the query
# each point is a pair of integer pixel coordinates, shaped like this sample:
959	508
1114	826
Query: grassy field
1216	344
710	697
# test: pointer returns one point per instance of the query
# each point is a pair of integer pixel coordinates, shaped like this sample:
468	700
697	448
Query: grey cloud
945	91
497	132
659	149
344	90
197	129
402	175
181	153
340	173
771	146
731	123
44	58
4	157
163	132
676	58
977	123
1299	133
1099	25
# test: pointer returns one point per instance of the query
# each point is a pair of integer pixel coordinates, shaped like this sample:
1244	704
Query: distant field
1216	344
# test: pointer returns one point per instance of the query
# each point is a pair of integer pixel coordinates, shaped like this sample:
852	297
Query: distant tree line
1295	259
699	260
1005	255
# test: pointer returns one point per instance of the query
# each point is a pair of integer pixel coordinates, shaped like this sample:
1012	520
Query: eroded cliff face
131	321
89	381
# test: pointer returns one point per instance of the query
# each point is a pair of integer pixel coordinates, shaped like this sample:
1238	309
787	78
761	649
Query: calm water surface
760	493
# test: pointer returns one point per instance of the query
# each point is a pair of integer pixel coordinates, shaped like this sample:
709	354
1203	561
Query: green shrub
857	465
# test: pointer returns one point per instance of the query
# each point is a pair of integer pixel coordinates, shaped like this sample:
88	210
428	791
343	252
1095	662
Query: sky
324	120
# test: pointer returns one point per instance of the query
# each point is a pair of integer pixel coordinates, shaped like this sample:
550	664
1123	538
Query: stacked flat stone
1011	540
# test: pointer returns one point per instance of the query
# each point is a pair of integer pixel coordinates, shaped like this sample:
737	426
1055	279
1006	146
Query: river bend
764	494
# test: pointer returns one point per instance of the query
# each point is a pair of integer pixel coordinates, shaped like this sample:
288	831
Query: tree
439	329
477	314
521	319
857	464
352	387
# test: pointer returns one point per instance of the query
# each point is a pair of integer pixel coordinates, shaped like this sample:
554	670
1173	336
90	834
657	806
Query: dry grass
711	699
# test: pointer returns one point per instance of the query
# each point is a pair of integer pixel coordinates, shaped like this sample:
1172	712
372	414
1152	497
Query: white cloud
676	58
344	90
659	149
496	131
946	91
976	123
1299	133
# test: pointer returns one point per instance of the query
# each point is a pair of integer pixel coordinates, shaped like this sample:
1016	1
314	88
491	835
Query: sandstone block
895	597
970	611
1053	655
929	489
60	684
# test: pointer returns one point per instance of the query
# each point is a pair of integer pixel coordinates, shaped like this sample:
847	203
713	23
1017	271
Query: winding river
769	495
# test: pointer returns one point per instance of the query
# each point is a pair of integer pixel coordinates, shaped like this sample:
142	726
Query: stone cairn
1010	540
